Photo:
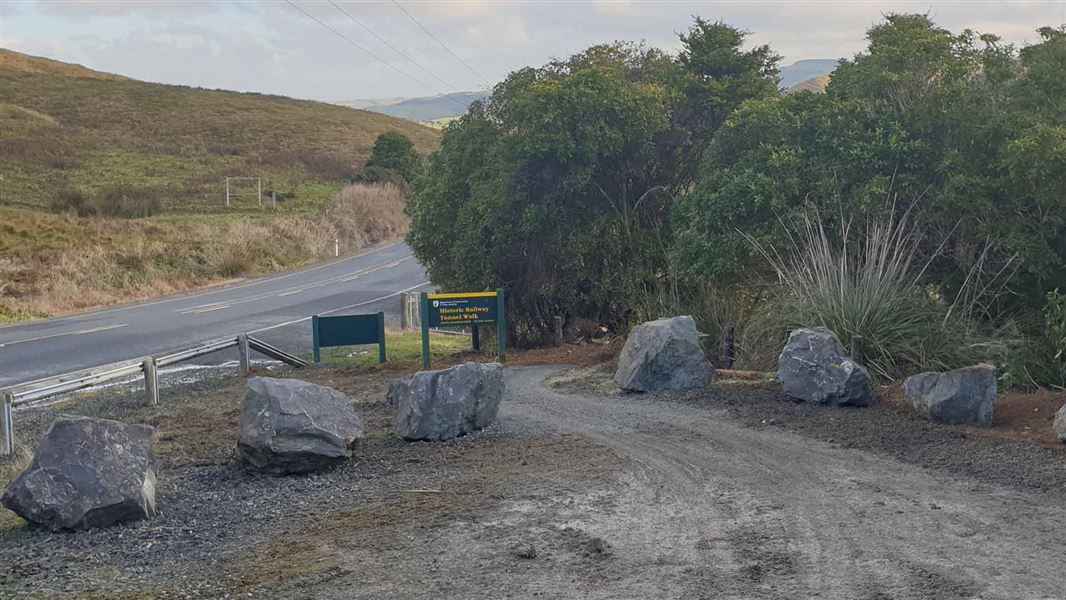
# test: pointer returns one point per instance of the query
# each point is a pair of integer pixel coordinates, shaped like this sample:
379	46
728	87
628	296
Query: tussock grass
869	285
53	264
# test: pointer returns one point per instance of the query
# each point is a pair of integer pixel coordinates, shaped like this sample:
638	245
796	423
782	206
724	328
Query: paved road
275	309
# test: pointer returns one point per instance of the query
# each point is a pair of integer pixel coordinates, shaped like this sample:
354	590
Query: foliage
120	202
1041	361
961	126
393	157
870	285
559	187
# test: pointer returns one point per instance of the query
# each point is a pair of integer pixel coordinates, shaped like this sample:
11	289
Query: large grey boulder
963	396
87	473
813	367
1060	423
665	354
440	405
292	426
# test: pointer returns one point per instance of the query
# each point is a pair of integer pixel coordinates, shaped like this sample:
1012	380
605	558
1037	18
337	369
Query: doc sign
469	309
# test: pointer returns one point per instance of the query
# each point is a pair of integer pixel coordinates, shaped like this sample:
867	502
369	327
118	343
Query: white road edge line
333	310
55	335
289	293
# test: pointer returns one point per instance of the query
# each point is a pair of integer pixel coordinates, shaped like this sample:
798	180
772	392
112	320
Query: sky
278	47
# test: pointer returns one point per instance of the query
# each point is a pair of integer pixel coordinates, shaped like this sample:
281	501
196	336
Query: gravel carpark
578	491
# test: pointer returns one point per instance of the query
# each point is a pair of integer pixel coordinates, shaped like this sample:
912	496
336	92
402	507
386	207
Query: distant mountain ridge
804	70
426	109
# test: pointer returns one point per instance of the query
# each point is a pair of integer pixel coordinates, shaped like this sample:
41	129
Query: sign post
472	309
348	330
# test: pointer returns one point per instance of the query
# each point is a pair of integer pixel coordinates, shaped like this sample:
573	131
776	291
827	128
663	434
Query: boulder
87	473
813	367
1060	423
440	405
665	354
292	426
963	396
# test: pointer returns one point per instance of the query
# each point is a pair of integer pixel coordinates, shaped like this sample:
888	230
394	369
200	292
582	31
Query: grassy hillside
65	126
71	134
814	84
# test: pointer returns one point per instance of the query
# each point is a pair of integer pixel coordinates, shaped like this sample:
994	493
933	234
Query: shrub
119	202
872	287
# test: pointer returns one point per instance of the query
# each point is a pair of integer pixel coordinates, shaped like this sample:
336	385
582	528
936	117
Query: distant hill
814	84
66	126
803	70
423	109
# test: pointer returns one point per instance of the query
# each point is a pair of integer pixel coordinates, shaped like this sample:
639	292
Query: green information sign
471	309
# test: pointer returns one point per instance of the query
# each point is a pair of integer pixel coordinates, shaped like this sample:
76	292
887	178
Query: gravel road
734	492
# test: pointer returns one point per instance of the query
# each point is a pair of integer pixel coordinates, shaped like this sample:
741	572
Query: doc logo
436	303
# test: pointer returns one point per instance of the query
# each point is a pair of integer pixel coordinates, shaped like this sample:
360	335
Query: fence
28	393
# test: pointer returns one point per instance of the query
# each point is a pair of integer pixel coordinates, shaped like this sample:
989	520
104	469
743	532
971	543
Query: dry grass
53	264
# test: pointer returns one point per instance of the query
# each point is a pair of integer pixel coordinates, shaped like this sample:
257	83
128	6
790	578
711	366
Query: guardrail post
9	424
242	354
151	381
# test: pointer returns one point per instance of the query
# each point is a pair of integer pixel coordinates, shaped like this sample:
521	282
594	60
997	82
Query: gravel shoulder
577	492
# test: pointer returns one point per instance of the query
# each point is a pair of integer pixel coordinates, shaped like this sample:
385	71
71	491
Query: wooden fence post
557	331
858	354
151	381
728	347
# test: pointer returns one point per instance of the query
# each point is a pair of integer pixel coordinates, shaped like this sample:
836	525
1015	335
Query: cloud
270	47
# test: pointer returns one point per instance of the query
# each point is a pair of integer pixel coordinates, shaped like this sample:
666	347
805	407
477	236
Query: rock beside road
292	426
961	397
665	354
87	473
813	367
440	405
1060	424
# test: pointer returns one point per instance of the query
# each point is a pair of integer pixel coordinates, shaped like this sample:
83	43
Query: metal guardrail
34	391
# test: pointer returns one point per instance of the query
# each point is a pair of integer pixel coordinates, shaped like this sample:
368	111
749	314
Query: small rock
87	473
1060	424
440	405
524	551
963	396
813	367
292	426
664	354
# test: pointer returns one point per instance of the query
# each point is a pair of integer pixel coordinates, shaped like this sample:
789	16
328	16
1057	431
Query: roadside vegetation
916	202
114	189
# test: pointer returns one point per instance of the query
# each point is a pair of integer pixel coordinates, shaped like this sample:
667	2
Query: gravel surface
734	492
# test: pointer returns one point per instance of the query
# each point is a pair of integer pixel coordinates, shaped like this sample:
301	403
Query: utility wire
442	44
394	48
369	53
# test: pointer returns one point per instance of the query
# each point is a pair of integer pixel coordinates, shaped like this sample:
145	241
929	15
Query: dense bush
120	202
392	160
559	186
959	127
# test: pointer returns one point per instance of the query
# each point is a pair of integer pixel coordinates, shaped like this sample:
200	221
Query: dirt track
577	494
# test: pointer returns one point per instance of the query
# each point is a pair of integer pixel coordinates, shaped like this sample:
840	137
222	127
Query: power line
367	52
394	48
442	44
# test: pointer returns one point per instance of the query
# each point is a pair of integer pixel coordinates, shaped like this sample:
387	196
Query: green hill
80	147
66	126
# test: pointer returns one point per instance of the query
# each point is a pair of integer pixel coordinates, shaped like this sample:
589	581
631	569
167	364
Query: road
276	309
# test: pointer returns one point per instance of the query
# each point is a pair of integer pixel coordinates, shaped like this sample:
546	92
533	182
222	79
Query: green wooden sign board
471	309
348	330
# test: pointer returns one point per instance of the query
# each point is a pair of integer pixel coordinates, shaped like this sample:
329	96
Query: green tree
393	157
962	127
560	186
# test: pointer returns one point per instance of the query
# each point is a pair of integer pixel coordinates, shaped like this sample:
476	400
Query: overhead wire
394	48
367	52
442	44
